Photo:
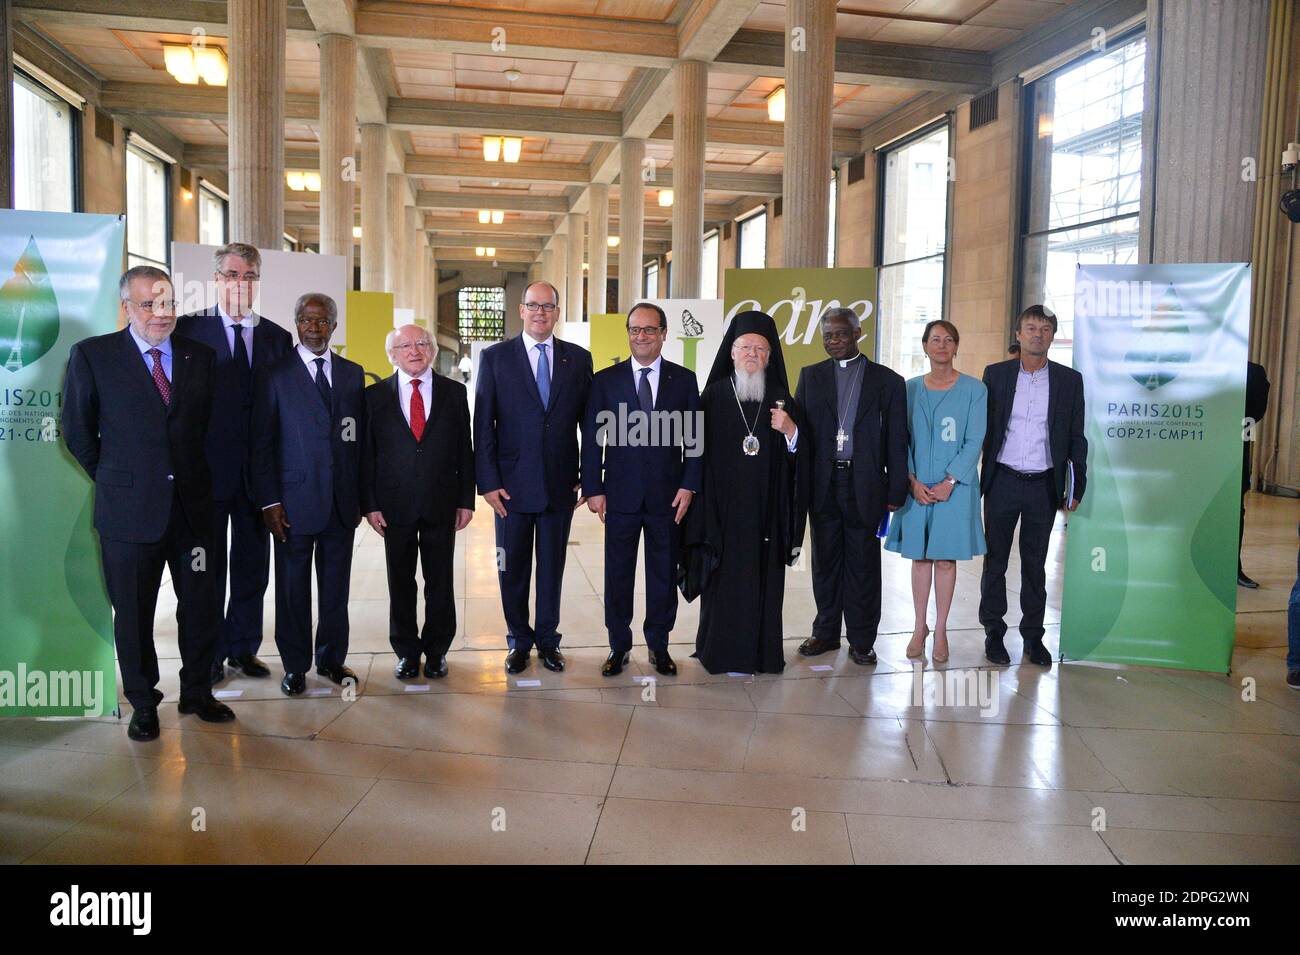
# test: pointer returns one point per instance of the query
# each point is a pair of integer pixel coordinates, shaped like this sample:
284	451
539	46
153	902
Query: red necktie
159	378
417	410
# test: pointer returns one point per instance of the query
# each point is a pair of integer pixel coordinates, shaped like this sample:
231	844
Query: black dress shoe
615	662
249	665
663	663
208	708
1037	654
293	684
218	672
408	668
995	652
1244	581
815	646
144	724
435	668
517	661
552	659
863	658
337	674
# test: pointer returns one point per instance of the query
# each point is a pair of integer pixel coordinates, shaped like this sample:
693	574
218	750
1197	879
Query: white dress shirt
404	391
248	322
310	361
534	353
653	377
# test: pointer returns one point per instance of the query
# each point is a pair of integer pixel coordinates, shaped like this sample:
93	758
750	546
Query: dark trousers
133	574
250	570
622	534
434	546
517	536
1012	499
332	549
845	567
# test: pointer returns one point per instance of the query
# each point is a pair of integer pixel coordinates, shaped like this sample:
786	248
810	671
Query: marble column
338	136
374	206
809	99
597	246
631	222
255	108
574	297
689	118
393	245
1205	68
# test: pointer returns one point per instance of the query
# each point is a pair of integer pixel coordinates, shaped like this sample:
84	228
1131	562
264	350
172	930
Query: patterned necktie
417	410
323	383
243	367
543	376
643	392
159	377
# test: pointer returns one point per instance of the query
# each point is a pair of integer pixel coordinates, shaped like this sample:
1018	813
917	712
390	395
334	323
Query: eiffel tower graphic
15	360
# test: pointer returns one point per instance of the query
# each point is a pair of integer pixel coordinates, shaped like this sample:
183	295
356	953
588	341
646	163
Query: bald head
411	349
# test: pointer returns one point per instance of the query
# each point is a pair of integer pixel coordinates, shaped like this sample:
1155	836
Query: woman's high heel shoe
919	654
936	657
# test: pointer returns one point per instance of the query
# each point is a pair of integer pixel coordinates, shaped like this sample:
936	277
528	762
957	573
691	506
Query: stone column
631	222
255	107
1205	66
574	298
809	98
374	206
394	247
338	136
431	291
413	275
597	246
560	271
689	118
6	104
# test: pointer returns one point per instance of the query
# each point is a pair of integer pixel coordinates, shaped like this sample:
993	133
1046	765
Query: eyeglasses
546	308
405	347
636	331
234	276
157	306
752	349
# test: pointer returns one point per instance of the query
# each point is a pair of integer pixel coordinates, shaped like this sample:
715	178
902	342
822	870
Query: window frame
205	186
142	146
75	119
740	232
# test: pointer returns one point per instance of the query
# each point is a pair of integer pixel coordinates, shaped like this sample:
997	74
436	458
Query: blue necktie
323	384
543	376
643	392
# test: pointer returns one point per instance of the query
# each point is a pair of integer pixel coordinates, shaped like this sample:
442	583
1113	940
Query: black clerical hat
751	323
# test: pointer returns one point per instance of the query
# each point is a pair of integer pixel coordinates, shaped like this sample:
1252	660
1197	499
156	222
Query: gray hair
847	314
241	249
316	298
391	338
140	272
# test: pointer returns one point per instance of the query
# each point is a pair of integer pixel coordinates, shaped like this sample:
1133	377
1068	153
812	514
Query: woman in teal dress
939	524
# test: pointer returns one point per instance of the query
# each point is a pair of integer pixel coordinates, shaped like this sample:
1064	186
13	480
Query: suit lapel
140	373
180	374
1053	389
863	386
559	371
432	405
526	368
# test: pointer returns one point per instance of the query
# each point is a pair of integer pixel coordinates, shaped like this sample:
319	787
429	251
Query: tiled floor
1082	763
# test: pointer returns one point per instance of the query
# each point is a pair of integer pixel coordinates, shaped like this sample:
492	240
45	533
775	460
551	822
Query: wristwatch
951	480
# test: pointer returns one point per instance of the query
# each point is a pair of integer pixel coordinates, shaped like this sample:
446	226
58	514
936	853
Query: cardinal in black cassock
746	524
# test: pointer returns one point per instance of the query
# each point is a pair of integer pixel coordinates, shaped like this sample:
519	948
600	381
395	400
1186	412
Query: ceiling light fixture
512	146
776	105
498	216
295	179
188	64
665	197
484	216
356	232
479	251
491	148
512	74
612	241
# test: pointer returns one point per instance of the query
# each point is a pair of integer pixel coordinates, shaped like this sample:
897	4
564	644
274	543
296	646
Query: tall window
1083	146
147	214
44	177
830	244
709	266
912	256
652	279
481	314
212	217
751	241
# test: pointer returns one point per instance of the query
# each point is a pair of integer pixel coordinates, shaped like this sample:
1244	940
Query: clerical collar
844	363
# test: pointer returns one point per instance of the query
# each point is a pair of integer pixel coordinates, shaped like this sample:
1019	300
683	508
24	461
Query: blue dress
947	435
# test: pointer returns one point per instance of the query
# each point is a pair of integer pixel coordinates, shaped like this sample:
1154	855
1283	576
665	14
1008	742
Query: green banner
1151	555
59	277
796	299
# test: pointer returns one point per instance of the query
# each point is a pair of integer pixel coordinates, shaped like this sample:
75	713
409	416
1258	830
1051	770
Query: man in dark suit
855	414
417	491
1035	460
135	413
644	428
528	403
305	466
244	343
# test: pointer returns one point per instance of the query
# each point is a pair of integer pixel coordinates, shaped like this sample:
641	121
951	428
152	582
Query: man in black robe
747	524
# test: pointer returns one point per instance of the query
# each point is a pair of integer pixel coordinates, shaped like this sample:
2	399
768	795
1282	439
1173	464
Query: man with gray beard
746	525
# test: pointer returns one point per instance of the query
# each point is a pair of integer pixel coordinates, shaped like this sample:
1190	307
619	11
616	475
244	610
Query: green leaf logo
1163	345
29	312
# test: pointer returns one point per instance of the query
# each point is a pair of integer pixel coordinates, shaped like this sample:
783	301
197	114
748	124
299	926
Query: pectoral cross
840	438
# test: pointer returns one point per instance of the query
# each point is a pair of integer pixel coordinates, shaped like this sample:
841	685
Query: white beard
750	386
